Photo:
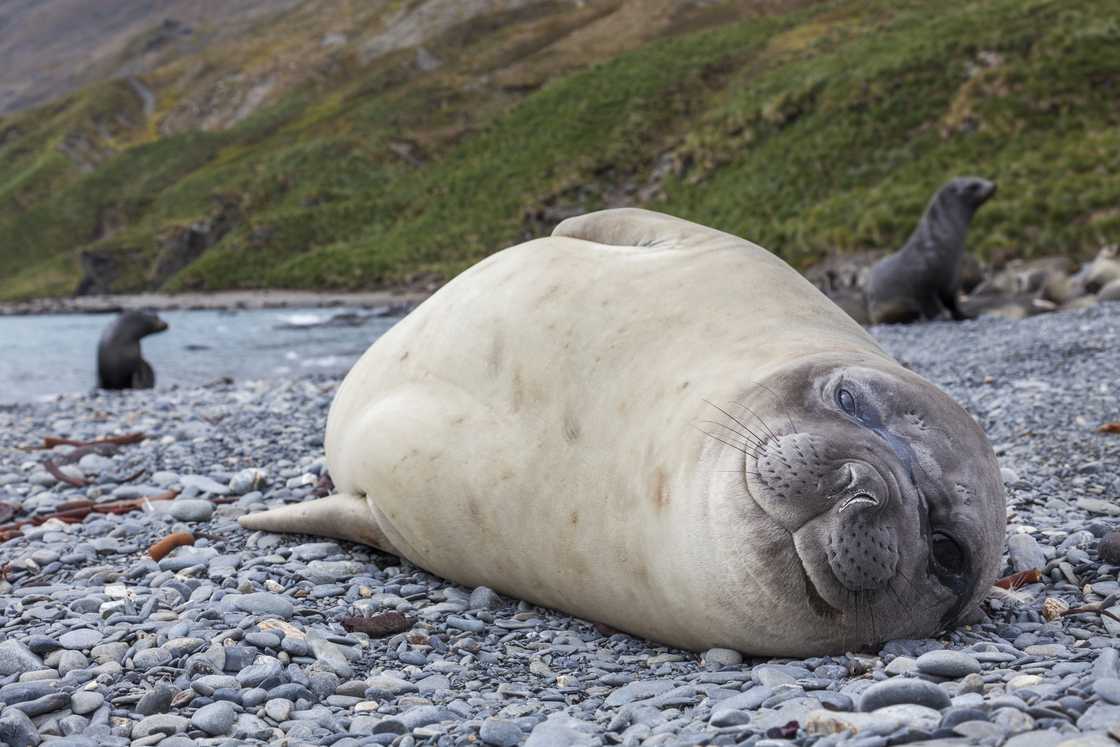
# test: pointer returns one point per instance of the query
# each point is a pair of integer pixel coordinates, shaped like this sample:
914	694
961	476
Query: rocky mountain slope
342	144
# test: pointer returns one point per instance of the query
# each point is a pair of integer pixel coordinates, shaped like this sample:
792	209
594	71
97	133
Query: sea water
47	354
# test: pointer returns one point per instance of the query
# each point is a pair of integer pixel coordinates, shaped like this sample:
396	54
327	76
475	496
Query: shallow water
44	355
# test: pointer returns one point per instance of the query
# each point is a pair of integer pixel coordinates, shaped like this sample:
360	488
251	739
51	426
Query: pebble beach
249	638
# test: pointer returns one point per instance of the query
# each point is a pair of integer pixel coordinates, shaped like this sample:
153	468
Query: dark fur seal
922	279
119	365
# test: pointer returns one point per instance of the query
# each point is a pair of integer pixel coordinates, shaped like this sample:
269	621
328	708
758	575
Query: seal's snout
862	551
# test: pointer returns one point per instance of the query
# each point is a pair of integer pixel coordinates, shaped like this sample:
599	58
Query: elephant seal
922	278
655	425
119	365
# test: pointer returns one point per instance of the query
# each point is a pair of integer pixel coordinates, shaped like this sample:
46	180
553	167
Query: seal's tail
340	516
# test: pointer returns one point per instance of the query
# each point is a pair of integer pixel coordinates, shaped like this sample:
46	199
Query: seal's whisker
722	441
746	439
758	418
740	423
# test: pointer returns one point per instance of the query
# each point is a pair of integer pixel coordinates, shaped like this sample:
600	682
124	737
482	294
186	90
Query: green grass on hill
822	129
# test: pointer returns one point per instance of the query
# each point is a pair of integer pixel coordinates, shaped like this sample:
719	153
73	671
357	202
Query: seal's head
969	192
134	324
888	489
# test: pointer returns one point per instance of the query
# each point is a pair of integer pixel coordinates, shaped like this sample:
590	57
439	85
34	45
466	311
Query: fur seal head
888	489
969	192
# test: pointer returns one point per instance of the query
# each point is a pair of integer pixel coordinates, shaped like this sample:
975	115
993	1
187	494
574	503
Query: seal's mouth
859	499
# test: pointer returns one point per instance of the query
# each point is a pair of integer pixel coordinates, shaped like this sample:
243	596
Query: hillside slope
360	145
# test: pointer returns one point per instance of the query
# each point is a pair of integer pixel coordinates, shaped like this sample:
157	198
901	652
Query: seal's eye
947	554
847	401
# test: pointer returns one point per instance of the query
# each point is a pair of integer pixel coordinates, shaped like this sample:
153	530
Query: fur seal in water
119	364
652	424
922	278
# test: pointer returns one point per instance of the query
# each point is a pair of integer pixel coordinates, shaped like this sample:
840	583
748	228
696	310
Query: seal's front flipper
339	516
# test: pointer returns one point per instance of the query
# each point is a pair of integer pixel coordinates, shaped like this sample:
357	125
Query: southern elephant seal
652	424
119	364
922	278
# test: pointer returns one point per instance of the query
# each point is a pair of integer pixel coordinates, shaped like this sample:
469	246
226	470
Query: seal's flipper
339	516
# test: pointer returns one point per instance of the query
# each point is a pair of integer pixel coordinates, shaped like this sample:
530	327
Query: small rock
247	480
17	730
161	723
500	732
1099	716
16	658
190	509
157	699
1108	688
951	664
722	657
1108	549
203	484
215	719
1025	552
484	598
899	690
81	639
265	603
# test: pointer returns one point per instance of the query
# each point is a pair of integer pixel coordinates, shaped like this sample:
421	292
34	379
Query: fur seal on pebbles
649	423
922	279
119	365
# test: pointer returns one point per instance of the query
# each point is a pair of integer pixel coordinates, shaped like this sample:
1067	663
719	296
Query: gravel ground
238	638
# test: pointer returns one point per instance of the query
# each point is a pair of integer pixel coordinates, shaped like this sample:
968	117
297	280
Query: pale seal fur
923	278
652	424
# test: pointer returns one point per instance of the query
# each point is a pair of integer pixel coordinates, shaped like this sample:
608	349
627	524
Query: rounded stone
901	690
1108	688
160	723
500	732
1108	549
16	658
191	509
265	603
215	719
81	639
722	657
951	664
86	701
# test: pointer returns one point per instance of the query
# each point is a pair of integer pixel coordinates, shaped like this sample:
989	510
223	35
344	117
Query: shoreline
217	300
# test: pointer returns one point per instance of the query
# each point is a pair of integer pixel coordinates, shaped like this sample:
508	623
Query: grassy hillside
807	129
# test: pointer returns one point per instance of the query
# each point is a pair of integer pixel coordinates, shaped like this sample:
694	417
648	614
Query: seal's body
655	425
922	279
119	364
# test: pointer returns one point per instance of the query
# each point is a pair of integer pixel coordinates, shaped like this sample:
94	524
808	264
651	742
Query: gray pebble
951	664
17	730
160	723
265	603
902	690
81	639
500	732
190	509
16	658
215	719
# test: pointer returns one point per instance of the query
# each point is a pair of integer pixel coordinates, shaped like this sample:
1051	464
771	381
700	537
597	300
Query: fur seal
119	365
662	427
922	279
